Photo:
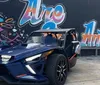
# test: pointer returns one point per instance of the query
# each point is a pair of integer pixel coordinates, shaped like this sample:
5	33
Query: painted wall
18	18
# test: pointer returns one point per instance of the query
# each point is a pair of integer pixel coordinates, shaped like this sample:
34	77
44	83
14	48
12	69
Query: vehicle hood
20	51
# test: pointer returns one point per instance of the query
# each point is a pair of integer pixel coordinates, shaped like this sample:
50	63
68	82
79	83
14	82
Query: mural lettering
36	12
33	13
89	38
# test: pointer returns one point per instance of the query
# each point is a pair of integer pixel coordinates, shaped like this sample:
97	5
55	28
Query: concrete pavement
86	72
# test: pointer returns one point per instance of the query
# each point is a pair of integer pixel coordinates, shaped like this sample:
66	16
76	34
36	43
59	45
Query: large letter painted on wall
35	12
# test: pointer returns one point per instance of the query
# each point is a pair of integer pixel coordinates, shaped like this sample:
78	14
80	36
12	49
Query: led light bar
30	69
33	57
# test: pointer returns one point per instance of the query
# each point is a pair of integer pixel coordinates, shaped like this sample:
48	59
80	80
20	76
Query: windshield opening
46	38
35	38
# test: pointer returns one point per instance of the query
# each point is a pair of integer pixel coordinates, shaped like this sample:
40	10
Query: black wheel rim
61	70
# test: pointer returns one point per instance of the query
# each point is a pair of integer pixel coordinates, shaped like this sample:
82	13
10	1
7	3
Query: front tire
56	69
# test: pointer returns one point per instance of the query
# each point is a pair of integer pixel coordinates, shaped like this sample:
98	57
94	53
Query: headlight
33	57
5	58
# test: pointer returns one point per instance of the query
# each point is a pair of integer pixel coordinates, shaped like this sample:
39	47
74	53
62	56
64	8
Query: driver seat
49	39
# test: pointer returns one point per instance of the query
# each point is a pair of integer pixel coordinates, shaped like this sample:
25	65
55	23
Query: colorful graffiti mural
9	34
35	12
89	38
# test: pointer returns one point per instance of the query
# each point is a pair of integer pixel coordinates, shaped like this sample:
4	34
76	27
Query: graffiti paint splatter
9	35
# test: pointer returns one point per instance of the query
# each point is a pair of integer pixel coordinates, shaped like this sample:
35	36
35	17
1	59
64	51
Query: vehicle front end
15	70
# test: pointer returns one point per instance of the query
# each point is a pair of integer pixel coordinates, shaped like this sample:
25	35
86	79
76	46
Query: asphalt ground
86	72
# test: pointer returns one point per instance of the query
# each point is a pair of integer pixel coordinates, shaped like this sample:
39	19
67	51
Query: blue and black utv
45	57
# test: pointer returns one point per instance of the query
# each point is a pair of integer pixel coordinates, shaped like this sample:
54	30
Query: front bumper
13	81
16	73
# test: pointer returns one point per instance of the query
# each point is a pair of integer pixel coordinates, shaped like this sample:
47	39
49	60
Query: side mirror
75	42
77	46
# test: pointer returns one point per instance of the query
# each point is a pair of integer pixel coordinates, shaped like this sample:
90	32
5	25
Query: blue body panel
21	52
17	67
